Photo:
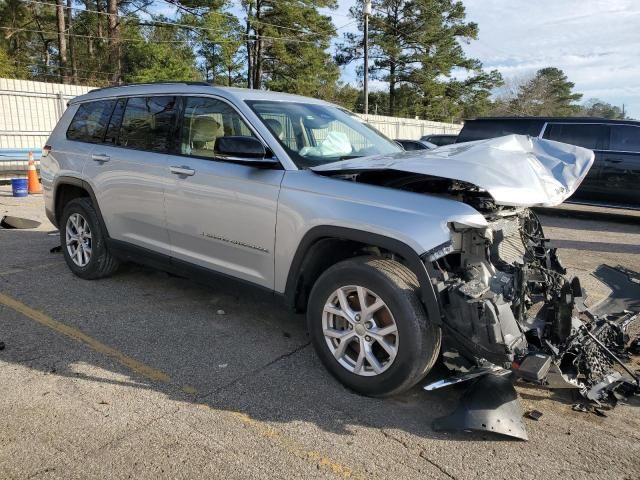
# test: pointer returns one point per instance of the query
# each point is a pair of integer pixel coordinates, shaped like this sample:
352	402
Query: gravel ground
138	376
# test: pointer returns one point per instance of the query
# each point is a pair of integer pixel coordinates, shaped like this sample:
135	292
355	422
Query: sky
595	42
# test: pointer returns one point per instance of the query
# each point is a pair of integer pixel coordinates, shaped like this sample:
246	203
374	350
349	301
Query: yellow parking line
262	429
71	332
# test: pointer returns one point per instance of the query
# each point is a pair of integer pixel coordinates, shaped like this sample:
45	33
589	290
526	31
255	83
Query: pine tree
417	43
288	46
548	93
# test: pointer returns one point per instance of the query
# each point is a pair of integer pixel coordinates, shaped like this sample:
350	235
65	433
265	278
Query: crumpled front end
507	303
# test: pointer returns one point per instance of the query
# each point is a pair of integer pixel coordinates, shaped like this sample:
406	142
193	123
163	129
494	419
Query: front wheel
369	328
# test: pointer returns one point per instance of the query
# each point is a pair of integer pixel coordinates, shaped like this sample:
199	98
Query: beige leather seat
203	134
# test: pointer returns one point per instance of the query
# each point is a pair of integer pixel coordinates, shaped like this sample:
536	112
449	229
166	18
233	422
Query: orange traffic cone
32	175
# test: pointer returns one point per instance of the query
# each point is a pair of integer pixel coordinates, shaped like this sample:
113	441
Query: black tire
419	338
101	263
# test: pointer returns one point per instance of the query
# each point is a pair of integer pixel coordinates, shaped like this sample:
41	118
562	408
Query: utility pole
367	12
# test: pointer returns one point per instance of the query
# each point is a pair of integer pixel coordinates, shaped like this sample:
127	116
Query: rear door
594	136
129	170
621	165
221	214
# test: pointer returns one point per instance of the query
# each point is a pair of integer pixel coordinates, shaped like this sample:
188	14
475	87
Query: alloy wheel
78	239
360	330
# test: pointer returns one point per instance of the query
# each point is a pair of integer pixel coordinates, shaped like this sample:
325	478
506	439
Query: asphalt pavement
145	375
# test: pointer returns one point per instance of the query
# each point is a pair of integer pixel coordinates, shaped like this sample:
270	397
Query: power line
196	27
53	32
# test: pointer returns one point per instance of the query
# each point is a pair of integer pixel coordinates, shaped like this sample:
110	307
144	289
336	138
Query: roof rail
166	82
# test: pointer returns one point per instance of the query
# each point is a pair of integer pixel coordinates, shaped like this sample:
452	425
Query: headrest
204	129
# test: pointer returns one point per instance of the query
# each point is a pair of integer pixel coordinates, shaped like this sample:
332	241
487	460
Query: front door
221	215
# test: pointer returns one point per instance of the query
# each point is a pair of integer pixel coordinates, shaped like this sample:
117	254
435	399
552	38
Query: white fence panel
408	128
29	110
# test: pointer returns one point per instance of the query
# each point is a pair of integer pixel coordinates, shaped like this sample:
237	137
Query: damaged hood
515	170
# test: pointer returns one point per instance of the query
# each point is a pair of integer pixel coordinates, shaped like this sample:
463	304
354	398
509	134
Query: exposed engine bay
508	308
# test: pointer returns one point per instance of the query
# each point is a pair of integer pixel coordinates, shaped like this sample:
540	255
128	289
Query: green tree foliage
548	93
415	45
595	107
282	45
288	46
160	53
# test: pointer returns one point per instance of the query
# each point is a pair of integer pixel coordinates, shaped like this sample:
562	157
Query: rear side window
588	135
625	138
148	123
90	121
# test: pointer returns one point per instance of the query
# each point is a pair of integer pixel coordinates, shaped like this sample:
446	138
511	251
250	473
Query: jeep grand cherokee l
396	257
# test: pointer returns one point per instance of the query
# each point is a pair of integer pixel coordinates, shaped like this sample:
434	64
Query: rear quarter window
90	121
625	138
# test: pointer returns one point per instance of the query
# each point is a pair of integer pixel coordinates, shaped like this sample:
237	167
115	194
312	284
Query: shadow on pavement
254	358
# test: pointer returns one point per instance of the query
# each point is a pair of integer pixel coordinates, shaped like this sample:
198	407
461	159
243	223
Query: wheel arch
323	246
66	189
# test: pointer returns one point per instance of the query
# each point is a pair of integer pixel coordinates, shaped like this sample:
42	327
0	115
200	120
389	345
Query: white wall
29	111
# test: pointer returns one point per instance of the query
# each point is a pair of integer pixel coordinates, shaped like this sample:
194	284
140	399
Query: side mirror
248	150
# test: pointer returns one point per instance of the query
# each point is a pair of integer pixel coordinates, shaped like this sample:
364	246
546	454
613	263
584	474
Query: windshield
314	134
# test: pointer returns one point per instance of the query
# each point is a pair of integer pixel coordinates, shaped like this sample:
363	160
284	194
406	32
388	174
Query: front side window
148	123
315	134
625	138
90	121
205	120
588	135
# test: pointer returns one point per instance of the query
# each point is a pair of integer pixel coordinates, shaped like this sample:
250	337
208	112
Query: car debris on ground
581	349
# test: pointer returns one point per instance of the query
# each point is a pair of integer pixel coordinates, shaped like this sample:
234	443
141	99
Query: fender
415	263
78	182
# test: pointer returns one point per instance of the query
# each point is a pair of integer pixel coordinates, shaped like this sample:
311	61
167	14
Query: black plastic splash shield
490	404
625	290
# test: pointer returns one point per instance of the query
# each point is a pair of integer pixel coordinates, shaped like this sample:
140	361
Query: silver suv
396	257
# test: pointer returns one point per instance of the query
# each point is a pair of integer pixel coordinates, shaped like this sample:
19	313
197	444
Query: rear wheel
84	241
369	328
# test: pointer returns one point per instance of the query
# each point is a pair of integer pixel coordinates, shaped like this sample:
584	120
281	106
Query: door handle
100	157
186	171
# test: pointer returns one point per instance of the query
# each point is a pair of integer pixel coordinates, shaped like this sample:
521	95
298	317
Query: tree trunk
114	41
257	63
250	45
62	41
257	49
72	42
99	16
392	89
